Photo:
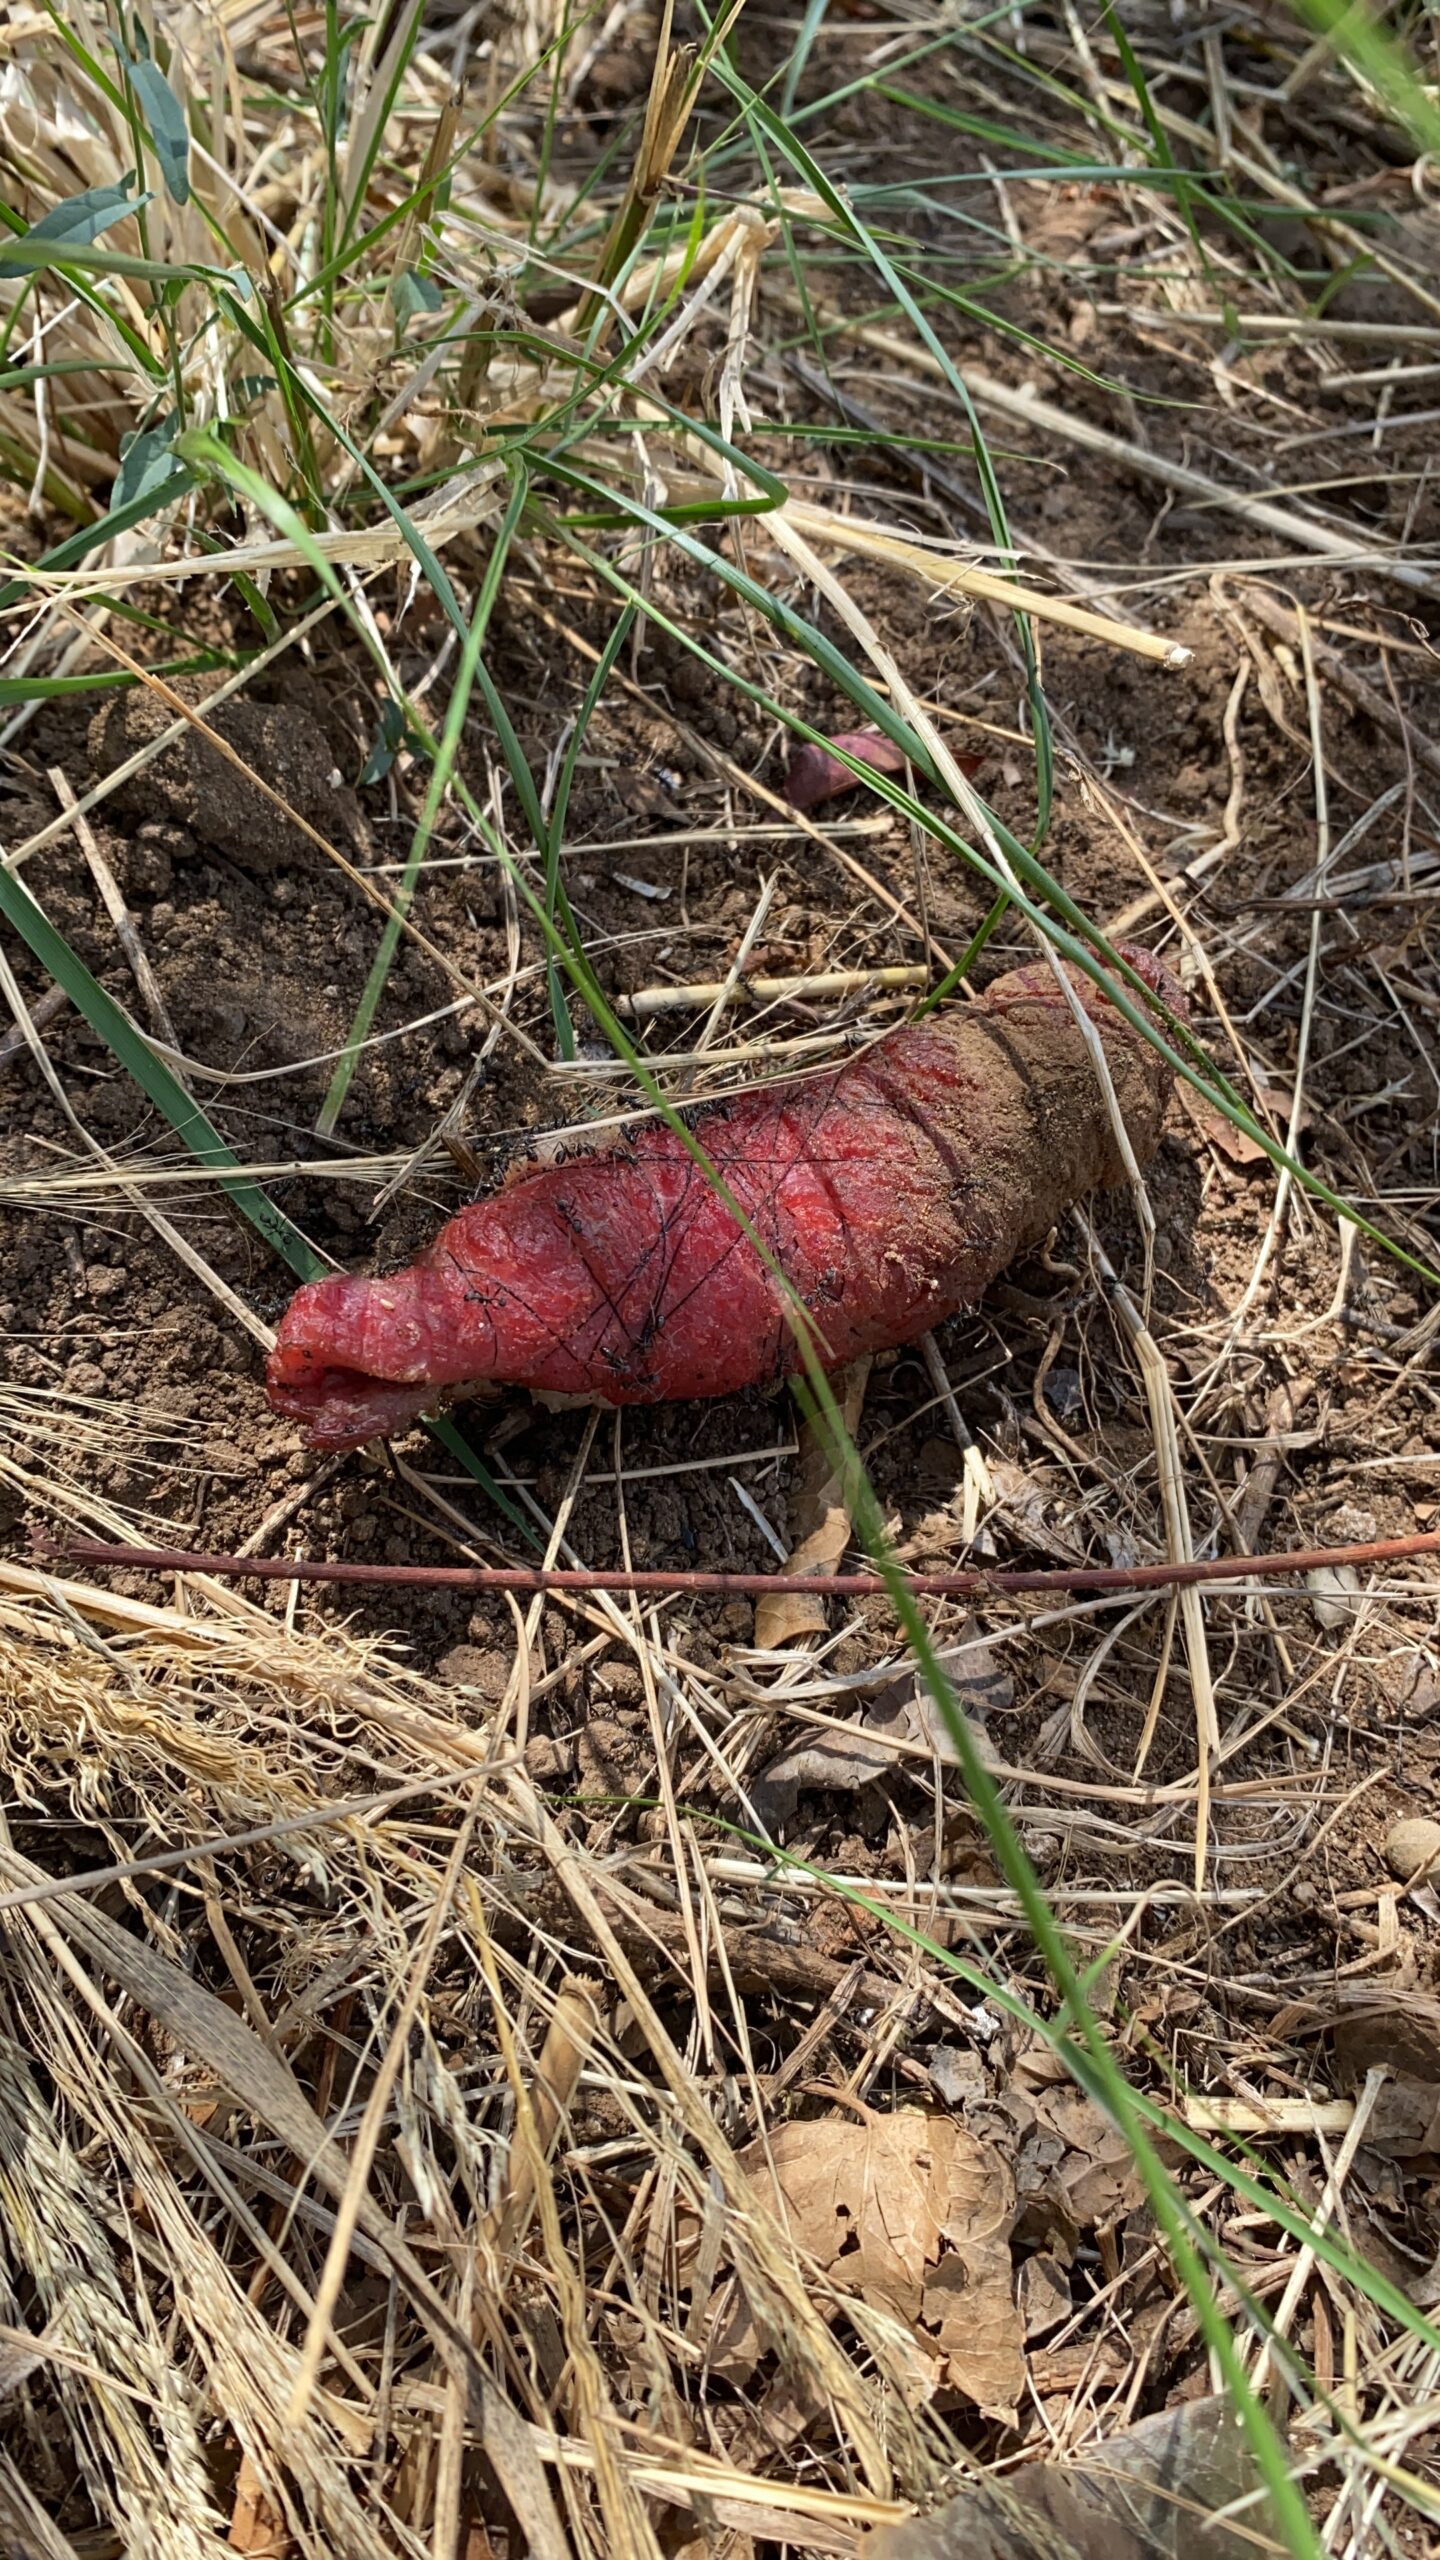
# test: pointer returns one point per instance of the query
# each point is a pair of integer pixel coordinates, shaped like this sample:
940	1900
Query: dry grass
386	2078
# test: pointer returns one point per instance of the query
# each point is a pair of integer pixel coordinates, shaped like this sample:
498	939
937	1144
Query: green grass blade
303	392
394	63
804	46
1364	41
1108	2081
152	1075
556	901
450	1437
844	214
441	770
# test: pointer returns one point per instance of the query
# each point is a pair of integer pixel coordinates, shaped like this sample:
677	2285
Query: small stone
1042	1848
1335	1593
549	1759
1064	1393
958	2073
1411	1845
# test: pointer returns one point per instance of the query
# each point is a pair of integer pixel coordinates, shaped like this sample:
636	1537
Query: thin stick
812	989
844	1586
1304	2264
1160	1397
1268	609
367	2141
13	1044
1275	1225
572	2031
119	914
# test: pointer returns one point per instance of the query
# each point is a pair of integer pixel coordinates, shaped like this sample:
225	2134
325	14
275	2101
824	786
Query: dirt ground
1308	1400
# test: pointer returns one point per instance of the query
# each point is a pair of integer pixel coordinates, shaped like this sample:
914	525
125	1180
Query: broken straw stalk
811	989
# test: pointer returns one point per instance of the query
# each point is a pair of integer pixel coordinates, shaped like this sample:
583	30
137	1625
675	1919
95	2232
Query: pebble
1335	1593
1411	1845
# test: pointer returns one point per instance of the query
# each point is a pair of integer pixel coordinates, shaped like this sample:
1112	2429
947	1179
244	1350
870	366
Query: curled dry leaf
838	1760
813	776
1044	2294
978	1679
912	2213
1149	2494
823	1521
902	1711
257	2526
1398	2025
1217	1131
1382	2022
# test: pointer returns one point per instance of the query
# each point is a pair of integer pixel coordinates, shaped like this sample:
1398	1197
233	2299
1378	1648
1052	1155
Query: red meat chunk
890	1190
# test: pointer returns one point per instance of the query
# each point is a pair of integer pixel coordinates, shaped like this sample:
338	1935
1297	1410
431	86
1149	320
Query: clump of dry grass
380	2129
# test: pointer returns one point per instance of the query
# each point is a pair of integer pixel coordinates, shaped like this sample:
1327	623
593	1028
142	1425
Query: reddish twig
843	1586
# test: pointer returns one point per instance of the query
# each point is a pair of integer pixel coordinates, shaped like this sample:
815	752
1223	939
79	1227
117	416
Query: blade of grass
150	1072
374	116
441	770
804	46
851	227
1365	42
1107	2080
556	901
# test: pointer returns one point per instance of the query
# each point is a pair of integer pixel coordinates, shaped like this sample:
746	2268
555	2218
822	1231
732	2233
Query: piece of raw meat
889	1190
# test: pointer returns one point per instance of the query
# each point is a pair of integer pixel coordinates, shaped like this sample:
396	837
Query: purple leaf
814	775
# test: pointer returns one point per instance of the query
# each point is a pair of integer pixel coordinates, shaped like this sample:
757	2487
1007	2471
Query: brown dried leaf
822	1516
1399	2026
1044	2294
1405	2119
824	1760
902	1711
1219	1132
912	2213
977	1676
1097	2176
1390	2023
1029	1497
257	2526
1146	2495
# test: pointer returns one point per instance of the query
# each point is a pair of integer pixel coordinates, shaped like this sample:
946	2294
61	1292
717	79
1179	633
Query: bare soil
261	945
